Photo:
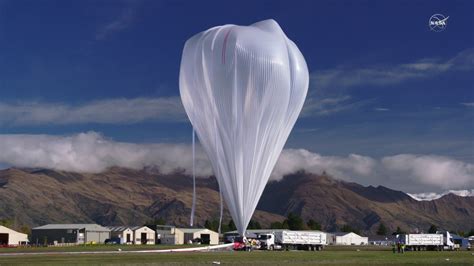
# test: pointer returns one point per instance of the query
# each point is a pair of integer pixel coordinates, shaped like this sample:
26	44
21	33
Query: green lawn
331	256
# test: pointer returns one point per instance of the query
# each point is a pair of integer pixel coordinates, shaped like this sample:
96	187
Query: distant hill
125	196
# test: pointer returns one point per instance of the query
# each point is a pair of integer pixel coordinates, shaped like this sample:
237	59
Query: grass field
82	248
330	256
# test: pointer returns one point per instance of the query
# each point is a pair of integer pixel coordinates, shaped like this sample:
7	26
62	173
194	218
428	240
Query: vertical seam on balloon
224	45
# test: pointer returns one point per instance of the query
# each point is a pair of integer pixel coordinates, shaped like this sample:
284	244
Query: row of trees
295	222
383	231
10	223
292	222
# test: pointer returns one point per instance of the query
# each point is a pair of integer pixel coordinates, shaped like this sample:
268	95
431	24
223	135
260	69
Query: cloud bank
109	111
381	75
92	152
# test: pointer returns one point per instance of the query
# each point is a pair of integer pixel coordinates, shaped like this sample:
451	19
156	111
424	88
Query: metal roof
139	226
194	230
344	233
118	228
4	229
124	227
87	227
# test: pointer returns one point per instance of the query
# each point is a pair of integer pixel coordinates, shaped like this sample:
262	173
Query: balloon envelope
243	88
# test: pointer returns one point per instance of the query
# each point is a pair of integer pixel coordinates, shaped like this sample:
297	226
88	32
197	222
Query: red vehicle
240	244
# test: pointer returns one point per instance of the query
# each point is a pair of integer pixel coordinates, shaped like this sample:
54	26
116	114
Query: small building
164	234
124	233
69	233
178	236
347	239
143	235
11	237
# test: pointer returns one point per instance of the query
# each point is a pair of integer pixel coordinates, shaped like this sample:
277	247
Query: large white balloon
243	88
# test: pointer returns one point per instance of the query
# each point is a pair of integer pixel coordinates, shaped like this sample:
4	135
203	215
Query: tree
433	229
254	225
7	222
214	225
276	225
208	225
399	231
471	233
382	230
295	222
25	229
231	226
285	225
157	221
313	225
347	229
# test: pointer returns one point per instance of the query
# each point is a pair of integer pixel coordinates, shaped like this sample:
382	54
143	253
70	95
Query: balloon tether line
222	210
219	186
191	222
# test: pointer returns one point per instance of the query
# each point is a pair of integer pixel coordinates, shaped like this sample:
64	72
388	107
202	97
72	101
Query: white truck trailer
438	241
287	239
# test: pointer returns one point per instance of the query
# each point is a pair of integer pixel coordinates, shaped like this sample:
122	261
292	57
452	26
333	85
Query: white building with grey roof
69	233
123	233
9	237
179	236
143	235
138	235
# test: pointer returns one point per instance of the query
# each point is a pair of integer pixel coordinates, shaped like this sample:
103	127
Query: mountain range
125	196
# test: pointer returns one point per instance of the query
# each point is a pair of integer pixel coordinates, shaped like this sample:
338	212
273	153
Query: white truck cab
267	241
448	243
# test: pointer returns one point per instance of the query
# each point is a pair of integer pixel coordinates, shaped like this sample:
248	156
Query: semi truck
287	239
438	241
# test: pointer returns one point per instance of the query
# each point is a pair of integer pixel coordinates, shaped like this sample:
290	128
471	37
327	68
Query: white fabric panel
243	88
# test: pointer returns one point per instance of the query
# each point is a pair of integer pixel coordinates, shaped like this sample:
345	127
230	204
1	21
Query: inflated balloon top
243	88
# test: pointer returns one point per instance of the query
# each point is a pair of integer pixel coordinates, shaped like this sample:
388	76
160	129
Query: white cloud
108	111
123	21
315	106
430	170
329	84
91	152
468	104
427	196
324	106
292	160
381	75
408	172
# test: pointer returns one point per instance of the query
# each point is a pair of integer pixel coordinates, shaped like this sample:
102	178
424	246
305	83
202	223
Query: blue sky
381	82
